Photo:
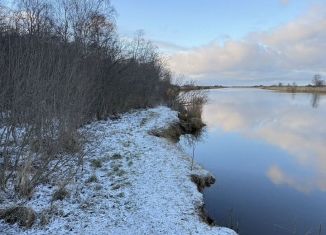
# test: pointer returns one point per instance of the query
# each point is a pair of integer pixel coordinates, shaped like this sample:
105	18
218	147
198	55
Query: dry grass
96	163
190	112
47	214
172	132
24	185
60	194
190	122
204	216
189	105
24	216
71	142
202	181
92	179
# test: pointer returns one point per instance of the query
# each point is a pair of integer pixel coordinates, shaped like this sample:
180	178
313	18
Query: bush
60	194
24	216
190	111
202	181
92	179
172	132
189	104
96	163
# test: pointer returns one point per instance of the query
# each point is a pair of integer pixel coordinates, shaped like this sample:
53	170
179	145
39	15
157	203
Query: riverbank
194	87
297	89
132	183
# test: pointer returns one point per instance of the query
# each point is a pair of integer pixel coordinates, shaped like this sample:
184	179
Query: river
268	153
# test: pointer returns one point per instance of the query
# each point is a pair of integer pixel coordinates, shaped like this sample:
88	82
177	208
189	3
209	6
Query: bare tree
317	81
61	66
34	16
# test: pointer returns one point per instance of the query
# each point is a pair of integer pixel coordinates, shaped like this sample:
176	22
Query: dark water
268	153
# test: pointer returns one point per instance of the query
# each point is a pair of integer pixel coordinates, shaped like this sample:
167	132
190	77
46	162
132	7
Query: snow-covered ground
142	185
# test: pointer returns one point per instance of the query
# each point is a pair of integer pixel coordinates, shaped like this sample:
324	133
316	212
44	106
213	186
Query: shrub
24	216
96	163
60	194
190	110
116	156
92	179
202	181
172	132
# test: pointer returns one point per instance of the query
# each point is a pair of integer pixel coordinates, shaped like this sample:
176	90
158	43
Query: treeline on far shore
191	87
317	85
293	89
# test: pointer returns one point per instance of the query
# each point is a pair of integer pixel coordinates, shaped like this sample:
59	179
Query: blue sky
195	22
179	26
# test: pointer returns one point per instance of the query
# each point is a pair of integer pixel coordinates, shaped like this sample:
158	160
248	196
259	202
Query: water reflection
268	152
191	141
286	124
315	100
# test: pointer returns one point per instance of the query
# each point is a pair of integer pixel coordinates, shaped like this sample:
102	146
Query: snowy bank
132	183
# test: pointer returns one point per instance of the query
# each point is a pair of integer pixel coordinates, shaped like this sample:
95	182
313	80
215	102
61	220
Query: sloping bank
132	183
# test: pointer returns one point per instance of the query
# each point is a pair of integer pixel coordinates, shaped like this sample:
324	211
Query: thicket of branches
61	65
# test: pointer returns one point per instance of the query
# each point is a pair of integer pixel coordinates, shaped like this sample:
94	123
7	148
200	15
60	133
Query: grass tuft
60	194
24	216
96	163
92	179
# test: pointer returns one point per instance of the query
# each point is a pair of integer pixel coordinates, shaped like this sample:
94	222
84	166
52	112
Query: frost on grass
131	183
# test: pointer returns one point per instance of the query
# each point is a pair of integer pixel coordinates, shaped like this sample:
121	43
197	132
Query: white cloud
290	51
168	47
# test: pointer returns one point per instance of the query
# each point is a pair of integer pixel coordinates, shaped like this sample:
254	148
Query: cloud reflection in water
293	123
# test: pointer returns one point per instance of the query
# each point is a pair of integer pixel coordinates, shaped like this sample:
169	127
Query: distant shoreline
287	89
297	89
193	88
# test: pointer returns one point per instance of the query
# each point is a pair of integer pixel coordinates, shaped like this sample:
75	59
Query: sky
232	42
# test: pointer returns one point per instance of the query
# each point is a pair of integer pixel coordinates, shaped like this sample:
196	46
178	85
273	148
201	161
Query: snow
143	185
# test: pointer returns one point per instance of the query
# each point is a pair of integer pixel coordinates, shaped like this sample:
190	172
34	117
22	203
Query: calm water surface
268	153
